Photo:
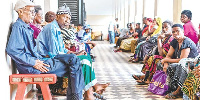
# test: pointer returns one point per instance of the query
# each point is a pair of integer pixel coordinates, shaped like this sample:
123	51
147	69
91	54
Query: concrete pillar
46	6
135	10
122	12
126	5
144	8
177	8
132	10
156	8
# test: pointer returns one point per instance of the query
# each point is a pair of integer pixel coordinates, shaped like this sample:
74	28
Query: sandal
136	77
135	61
171	96
131	59
98	96
141	82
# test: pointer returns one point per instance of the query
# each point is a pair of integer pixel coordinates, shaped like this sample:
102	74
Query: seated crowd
58	47
54	47
164	50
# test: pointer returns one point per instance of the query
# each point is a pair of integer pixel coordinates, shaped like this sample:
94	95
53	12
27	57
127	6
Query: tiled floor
114	68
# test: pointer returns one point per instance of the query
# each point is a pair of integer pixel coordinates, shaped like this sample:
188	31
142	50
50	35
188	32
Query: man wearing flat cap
22	49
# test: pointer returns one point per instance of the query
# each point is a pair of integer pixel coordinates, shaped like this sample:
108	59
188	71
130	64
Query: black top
139	31
187	43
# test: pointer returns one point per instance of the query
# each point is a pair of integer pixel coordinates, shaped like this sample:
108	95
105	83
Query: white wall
99	23
5	19
99	14
8	16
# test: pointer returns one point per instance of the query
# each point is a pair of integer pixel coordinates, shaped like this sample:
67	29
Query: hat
87	27
22	4
63	10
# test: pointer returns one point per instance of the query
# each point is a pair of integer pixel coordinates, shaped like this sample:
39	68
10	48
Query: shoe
115	46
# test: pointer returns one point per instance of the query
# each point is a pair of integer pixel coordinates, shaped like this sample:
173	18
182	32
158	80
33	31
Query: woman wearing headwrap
144	47
151	40
189	29
143	37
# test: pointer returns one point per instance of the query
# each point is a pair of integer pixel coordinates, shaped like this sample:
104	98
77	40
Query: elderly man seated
21	48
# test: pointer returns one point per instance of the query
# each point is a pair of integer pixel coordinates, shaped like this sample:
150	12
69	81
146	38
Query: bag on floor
158	83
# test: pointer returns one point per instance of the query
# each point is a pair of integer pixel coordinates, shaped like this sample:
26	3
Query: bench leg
46	91
20	91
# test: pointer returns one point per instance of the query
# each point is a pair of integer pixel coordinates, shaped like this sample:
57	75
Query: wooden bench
22	80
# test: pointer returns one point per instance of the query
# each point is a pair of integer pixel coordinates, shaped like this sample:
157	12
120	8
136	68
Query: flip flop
133	61
99	96
136	77
171	96
141	82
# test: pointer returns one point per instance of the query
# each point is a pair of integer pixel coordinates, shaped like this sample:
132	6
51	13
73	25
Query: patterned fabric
133	45
69	38
152	61
177	75
191	86
126	44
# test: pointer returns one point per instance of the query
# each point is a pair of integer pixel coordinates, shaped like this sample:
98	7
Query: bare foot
100	88
88	95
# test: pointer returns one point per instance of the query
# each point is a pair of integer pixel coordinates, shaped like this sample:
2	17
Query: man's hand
39	65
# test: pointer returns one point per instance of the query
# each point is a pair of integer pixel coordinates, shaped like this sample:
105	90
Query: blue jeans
68	65
111	37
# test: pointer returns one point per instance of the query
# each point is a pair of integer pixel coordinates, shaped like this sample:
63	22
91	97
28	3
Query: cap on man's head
23	3
87	27
63	10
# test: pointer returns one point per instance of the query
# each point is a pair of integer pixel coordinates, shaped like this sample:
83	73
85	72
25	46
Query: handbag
158	83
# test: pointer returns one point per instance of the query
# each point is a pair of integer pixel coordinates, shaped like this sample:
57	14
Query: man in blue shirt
22	49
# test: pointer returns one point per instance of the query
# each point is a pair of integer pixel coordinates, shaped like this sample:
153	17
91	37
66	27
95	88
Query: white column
177	8
144	7
132	10
126	12
122	13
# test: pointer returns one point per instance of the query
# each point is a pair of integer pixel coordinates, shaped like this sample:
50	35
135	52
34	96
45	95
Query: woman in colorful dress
151	60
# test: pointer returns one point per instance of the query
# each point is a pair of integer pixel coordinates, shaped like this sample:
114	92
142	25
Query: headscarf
147	27
159	23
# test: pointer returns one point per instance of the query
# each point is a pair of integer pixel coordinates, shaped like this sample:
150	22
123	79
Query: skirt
177	75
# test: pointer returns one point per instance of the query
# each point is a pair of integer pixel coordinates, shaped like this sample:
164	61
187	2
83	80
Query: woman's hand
161	36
